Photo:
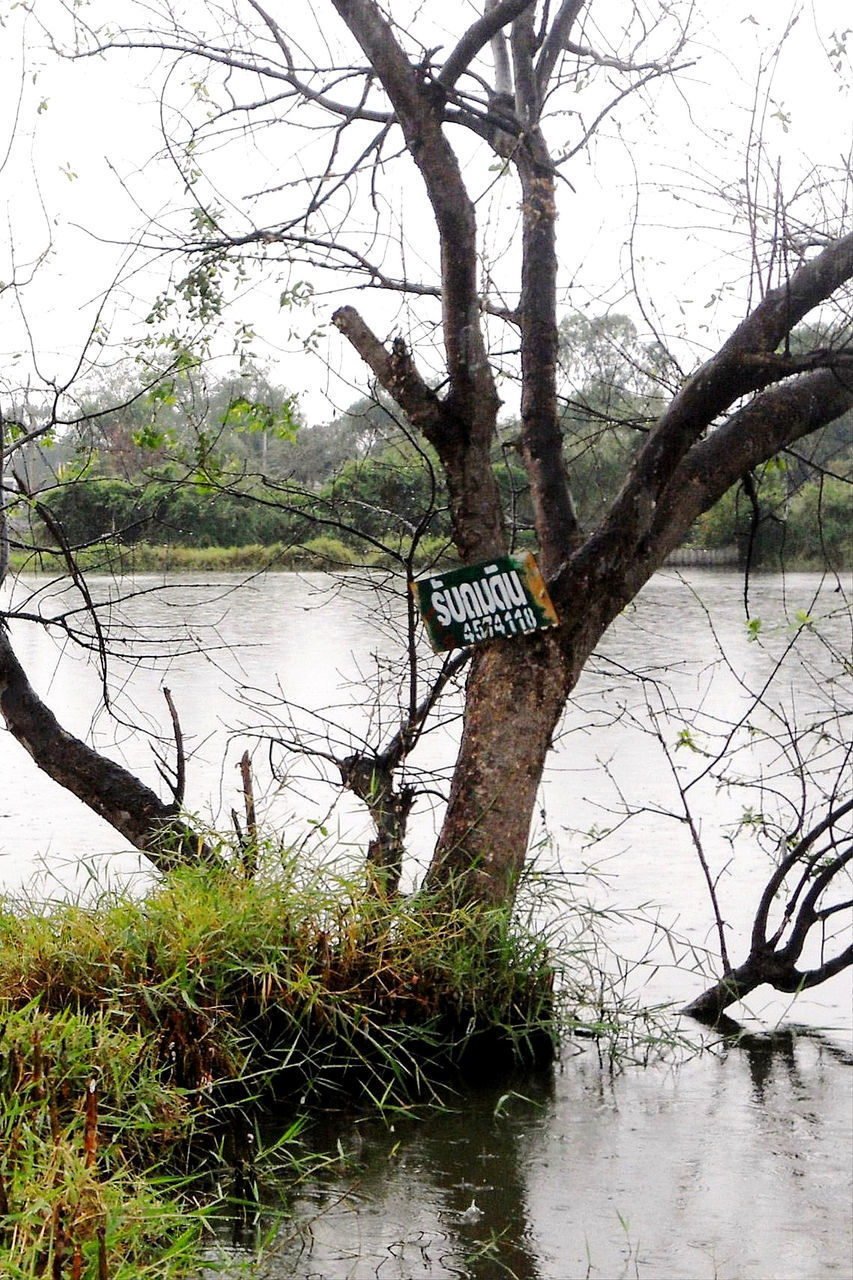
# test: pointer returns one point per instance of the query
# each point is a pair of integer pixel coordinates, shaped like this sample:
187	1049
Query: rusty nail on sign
501	598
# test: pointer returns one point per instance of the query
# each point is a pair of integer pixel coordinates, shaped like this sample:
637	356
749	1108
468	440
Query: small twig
4	532
696	839
78	578
180	757
90	1136
250	844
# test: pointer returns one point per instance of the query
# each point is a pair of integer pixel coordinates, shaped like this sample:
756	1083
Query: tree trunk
515	696
736	985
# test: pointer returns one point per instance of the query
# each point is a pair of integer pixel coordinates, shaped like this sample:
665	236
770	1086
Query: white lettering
496	587
442	612
485	590
456	605
483	606
514	590
466	592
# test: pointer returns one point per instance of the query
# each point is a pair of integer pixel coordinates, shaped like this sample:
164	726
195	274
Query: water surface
734	1163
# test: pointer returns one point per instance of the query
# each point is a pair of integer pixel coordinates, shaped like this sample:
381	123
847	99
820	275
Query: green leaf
150	437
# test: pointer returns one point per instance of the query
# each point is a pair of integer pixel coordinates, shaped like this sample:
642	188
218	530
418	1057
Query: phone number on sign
514	622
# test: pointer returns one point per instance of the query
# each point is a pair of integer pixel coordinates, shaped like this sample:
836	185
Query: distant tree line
232	465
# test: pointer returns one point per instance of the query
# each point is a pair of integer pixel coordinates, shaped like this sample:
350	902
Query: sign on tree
499	599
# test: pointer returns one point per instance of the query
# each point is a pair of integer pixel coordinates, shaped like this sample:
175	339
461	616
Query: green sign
501	598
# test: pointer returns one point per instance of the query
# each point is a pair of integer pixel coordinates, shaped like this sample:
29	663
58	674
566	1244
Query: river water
734	1162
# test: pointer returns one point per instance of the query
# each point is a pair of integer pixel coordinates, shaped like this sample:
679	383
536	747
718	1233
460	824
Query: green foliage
166	510
386	498
811	525
254	416
180	464
820	522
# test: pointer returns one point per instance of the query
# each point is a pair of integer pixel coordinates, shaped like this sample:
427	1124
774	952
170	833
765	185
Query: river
730	1163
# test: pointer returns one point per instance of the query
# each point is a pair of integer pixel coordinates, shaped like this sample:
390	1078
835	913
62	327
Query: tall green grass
88	1130
139	1038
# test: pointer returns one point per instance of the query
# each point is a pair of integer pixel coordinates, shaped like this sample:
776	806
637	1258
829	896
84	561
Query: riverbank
140	1041
317	554
324	554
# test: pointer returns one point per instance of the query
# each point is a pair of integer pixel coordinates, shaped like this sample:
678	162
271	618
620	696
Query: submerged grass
140	1037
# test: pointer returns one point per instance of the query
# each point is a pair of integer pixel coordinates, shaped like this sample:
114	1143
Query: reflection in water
734	1164
767	1051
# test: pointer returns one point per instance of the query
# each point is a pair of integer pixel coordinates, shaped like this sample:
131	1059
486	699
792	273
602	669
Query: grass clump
85	1119
140	1037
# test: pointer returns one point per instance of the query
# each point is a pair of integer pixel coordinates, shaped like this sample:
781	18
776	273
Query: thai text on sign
502	598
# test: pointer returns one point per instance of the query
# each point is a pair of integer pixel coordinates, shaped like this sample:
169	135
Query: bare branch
106	787
419	106
769	962
765	426
179	788
496	17
796	854
644	511
555	42
395	371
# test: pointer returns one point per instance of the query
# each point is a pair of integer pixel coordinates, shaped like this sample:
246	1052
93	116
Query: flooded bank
734	1164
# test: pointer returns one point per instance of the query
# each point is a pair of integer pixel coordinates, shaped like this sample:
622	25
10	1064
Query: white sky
99	121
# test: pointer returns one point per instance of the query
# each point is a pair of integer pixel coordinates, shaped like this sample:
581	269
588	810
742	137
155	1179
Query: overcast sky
79	186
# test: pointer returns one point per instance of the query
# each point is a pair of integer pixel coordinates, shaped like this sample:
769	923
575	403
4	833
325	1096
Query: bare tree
428	92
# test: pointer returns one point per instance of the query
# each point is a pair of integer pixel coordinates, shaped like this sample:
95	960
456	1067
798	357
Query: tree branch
752	435
228	58
541	436
756	431
495	18
395	371
774	884
179	788
106	787
555	42
419	106
767	962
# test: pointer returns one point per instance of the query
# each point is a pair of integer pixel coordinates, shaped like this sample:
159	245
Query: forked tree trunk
701	444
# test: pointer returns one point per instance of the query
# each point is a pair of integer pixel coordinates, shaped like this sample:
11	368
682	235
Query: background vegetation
189	465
